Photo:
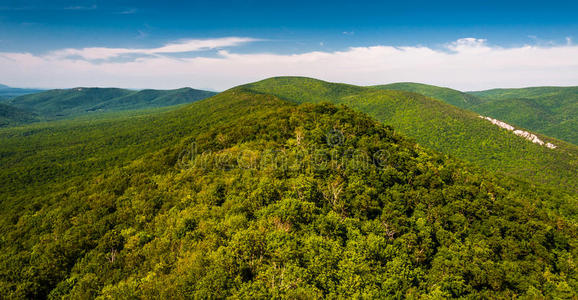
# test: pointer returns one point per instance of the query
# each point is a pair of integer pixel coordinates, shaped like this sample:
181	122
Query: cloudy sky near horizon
217	45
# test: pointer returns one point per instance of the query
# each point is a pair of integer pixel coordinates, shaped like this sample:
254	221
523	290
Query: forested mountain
10	115
555	94
68	101
549	110
552	111
152	98
10	92
451	96
78	101
246	195
442	127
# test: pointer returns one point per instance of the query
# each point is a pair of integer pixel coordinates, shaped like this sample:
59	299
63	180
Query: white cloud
177	47
466	64
469	45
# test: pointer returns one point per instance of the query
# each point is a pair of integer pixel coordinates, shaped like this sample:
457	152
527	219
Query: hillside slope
549	110
557	94
451	96
57	103
244	195
79	101
442	127
152	98
10	115
552	111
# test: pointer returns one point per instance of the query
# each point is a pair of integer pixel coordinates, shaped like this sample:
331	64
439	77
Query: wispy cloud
142	34
100	53
129	11
81	7
467	64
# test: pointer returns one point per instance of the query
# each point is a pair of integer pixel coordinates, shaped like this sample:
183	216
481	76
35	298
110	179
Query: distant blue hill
78	101
11	92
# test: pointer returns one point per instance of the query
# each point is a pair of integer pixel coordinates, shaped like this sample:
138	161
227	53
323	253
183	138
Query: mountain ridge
551	111
83	100
7	92
449	95
440	126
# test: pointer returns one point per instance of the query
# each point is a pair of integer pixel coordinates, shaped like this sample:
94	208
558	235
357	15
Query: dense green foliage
549	110
10	115
153	98
442	127
61	151
451	96
552	111
274	200
78	101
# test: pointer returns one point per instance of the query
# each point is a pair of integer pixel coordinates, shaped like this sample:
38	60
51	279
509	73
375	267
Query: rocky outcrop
521	133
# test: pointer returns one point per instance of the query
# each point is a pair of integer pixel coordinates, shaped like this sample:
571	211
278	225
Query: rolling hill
552	111
152	98
440	126
59	103
247	195
7	92
549	110
451	96
555	94
78	101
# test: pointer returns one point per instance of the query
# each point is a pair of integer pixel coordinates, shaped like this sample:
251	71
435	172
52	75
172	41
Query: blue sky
277	27
289	25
